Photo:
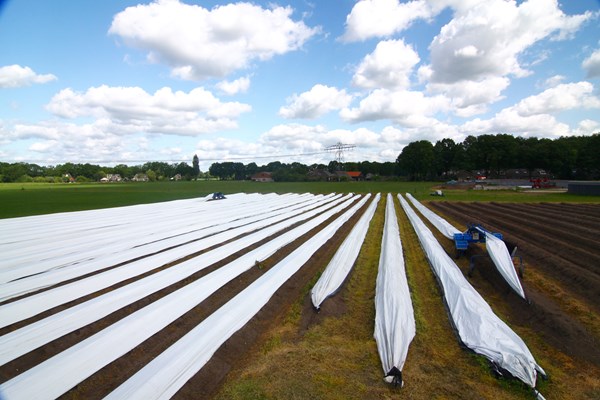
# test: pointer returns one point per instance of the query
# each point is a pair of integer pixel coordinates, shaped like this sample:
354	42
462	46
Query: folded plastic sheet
496	248
501	257
167	373
394	315
340	265
440	223
39	302
477	325
29	337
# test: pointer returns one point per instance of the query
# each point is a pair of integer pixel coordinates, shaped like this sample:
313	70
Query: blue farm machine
476	233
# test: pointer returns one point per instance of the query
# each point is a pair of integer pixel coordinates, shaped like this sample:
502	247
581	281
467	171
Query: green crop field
22	199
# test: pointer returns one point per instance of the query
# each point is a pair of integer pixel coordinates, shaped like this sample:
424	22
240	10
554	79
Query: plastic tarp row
61	372
29	337
172	249
340	265
440	223
39	302
477	325
52	253
167	373
496	248
394	315
32	233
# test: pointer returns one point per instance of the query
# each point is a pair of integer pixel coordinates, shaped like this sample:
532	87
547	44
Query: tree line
575	157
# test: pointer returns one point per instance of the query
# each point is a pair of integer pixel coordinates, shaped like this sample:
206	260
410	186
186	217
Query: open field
287	350
22	199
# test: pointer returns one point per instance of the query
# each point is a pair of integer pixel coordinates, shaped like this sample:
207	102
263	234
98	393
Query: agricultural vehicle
542	183
476	233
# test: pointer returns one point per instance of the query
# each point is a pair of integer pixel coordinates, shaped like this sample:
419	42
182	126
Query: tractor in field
476	233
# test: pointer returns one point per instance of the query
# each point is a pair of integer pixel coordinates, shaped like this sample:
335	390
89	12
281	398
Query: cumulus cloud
404	107
554	81
469	98
533	115
382	18
132	109
313	140
559	98
487	39
318	101
198	43
13	76
58	140
388	66
592	64
240	85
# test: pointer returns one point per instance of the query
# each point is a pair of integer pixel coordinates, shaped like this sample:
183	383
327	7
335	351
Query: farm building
262	177
140	178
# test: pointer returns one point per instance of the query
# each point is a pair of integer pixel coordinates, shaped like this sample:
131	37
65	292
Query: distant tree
251	169
416	160
151	175
445	153
195	166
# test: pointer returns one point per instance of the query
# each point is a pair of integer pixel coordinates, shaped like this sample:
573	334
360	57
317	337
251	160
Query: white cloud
318	101
554	81
58	141
406	108
302	139
587	127
592	64
560	98
13	76
510	121
198	43
240	85
487	39
533	115
471	97
381	18
389	66
131	109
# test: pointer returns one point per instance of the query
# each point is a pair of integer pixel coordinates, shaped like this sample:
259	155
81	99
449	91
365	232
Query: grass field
22	199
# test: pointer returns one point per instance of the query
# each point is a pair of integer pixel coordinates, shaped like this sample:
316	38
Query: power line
339	149
248	157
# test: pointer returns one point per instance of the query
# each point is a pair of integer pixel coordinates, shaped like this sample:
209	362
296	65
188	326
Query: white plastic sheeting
58	374
495	247
141	245
501	257
29	337
167	373
477	325
39	302
440	223
42	256
394	315
340	265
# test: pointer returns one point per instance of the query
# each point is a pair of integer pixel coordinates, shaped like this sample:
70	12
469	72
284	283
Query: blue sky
127	81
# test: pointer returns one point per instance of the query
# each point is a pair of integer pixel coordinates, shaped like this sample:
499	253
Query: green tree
195	166
416	160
